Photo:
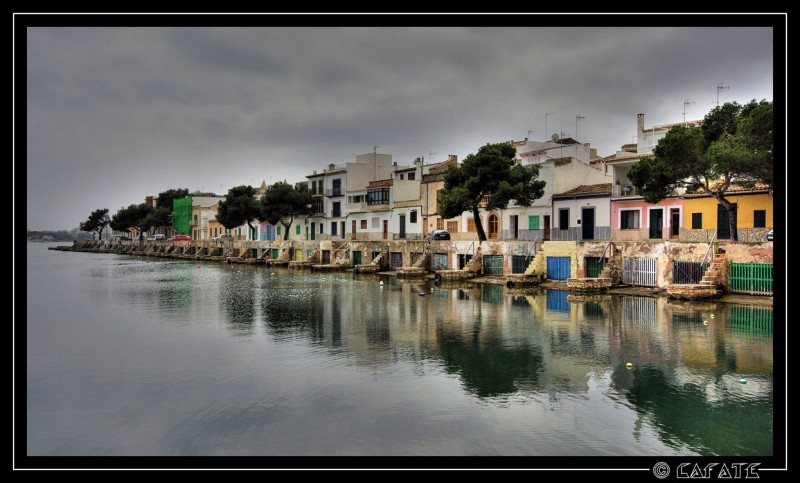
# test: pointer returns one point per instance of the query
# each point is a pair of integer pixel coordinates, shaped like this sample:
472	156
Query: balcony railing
336	213
354	207
621	191
334	192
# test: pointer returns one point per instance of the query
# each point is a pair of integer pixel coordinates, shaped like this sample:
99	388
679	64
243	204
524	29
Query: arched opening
494	226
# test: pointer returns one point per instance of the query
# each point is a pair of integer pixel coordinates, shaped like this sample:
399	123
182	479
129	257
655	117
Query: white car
223	237
157	237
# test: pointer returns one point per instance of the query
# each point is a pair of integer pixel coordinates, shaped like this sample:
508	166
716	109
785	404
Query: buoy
712	316
431	289
705	322
422	294
742	381
629	365
273	273
381	283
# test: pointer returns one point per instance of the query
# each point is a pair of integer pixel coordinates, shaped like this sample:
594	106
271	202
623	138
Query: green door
492	264
275	253
356	258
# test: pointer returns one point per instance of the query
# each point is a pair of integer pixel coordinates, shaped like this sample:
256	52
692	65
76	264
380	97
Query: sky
115	114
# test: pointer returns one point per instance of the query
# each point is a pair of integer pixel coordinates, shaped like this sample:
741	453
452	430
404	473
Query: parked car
769	235
223	237
120	237
157	237
181	238
439	235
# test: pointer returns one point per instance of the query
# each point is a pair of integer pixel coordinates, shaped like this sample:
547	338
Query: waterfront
142	356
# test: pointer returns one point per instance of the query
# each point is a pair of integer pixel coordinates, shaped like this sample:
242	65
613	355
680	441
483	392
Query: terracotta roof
669	126
586	190
733	188
611	159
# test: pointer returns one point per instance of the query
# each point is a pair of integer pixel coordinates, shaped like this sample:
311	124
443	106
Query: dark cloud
115	114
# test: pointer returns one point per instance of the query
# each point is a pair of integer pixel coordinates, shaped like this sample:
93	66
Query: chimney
639	126
148	201
331	167
453	157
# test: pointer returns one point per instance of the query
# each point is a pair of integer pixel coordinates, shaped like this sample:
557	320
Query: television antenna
545	121
687	102
721	87
578	117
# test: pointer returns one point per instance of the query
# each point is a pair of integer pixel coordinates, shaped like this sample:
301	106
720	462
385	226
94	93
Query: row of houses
586	197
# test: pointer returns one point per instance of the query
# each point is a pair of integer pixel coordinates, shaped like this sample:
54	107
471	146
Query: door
546	235
385	229
344	233
656	222
723	223
353	228
492	264
675	223
275	253
558	268
402	226
326	257
587	223
463	260
513	220
519	263
493	226
439	261
356	255
313	231
397	260
298	255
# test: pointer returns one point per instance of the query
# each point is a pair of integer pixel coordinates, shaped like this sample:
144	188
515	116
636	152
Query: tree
282	201
134	216
97	222
159	217
165	198
239	207
493	172
733	146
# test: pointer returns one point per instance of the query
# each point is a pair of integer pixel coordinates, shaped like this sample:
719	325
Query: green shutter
533	222
297	230
279	230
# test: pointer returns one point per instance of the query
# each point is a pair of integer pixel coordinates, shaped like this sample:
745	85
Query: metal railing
708	250
603	255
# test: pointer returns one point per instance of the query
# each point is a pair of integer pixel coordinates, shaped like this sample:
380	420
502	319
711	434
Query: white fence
639	271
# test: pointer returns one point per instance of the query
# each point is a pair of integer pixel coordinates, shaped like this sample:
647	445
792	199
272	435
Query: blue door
558	268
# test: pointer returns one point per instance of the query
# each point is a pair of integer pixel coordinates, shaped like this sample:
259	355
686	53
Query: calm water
135	356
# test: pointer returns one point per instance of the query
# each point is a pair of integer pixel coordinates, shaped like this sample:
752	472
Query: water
140	356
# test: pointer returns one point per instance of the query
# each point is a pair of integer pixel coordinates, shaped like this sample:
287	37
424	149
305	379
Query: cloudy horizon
116	114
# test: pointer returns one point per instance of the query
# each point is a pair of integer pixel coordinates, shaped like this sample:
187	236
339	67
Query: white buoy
273	273
381	283
422	294
742	381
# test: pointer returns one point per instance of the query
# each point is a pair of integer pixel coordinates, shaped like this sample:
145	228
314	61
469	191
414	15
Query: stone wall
750	252
745	235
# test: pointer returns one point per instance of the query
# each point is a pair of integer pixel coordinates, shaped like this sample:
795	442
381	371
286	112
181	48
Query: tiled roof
733	188
669	126
611	159
586	190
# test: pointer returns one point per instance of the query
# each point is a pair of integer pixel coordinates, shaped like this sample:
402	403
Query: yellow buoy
629	365
712	316
705	322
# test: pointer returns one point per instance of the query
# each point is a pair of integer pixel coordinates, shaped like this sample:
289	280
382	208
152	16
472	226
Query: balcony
622	191
330	192
355	207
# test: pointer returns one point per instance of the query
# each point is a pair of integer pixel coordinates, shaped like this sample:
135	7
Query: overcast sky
115	114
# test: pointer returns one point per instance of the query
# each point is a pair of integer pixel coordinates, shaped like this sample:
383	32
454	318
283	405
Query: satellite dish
554	137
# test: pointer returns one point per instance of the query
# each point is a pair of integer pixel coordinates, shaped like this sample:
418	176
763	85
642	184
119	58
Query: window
297	229
333	228
760	219
337	209
628	219
320	226
376	223
378	196
313	187
317	205
440	223
697	221
452	226
278	229
412	176
363	224
195	219
401	175
413	217
337	187
533	222
563	218
471	225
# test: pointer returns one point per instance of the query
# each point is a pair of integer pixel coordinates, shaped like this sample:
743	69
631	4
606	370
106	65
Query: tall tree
97	222
733	146
164	199
159	217
492	172
134	216
282	202
240	206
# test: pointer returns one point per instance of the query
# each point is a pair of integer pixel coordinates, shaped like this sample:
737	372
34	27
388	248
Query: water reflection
545	349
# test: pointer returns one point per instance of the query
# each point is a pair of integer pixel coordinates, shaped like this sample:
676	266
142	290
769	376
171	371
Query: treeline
60	235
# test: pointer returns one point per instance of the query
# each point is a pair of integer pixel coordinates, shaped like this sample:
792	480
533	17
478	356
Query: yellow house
432	183
704	215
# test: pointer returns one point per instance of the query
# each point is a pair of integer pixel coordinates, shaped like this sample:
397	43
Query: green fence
750	319
750	278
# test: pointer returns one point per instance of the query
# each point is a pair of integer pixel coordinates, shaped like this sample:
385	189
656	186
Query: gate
397	260
751	319
356	258
688	272
439	261
558	268
492	264
594	265
639	271
641	310
518	264
750	278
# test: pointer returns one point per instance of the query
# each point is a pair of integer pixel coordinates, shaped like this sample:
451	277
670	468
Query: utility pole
375	163
721	87
687	102
545	124
577	118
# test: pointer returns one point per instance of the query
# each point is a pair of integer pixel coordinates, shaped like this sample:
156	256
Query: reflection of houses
705	216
